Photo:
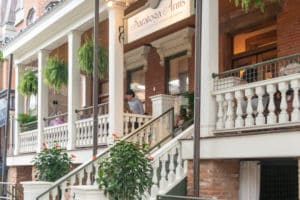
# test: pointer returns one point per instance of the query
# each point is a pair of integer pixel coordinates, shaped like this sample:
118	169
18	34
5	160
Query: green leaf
28	84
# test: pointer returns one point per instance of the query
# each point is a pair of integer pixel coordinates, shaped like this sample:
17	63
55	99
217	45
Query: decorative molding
154	3
174	43
137	58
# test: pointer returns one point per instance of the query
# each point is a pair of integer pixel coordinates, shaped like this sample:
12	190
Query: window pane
178	82
137	83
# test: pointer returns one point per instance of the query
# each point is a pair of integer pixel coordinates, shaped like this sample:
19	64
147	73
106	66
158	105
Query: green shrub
51	164
126	173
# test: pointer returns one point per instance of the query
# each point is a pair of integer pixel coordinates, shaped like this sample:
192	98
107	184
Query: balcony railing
263	103
87	112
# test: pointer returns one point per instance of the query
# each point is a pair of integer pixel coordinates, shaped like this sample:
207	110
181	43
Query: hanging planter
85	58
28	84
55	73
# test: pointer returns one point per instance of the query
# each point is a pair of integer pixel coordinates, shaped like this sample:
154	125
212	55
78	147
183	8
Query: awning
3	104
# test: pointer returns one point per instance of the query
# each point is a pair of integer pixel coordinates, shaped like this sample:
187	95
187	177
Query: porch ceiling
52	29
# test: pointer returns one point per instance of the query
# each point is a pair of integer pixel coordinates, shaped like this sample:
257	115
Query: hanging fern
55	73
85	58
28	84
246	4
1	57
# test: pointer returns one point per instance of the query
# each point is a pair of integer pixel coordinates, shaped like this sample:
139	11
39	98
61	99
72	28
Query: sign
150	20
3	104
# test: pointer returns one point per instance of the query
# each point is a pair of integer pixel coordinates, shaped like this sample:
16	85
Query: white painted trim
167	47
249	180
137	58
271	145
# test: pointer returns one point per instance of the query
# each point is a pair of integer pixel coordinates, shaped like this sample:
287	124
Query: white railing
133	121
168	166
57	134
263	104
154	132
28	141
84	131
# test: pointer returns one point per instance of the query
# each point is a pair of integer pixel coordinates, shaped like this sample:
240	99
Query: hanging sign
150	20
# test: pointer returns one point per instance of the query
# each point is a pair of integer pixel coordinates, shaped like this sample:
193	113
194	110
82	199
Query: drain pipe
95	79
197	100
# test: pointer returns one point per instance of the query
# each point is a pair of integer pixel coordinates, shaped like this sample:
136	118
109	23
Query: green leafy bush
51	164
86	57
28	84
27	121
56	73
126	173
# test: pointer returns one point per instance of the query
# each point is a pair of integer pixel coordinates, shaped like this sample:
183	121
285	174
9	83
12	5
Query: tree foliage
246	4
56	73
28	84
86	57
125	174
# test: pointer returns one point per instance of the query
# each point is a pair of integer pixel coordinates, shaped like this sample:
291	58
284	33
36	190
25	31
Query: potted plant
28	84
56	73
125	174
27	121
49	165
86	55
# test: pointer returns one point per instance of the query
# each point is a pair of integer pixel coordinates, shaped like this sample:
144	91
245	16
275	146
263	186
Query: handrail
253	66
90	107
159	197
54	116
81	167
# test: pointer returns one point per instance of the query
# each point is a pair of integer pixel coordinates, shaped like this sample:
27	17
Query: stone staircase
168	167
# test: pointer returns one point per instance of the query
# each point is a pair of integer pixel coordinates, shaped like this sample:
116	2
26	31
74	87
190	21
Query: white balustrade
84	131
260	104
28	141
57	134
133	121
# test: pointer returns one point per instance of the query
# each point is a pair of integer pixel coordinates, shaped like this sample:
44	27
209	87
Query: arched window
51	5
31	16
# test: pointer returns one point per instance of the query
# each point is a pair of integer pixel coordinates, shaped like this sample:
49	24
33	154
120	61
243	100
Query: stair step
84	192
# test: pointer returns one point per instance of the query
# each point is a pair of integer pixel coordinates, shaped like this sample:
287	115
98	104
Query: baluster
147	135
100	129
260	119
154	187
171	175
163	181
126	120
96	165
132	120
271	119
220	114
239	121
73	180
179	169
63	188
80	177
295	84
140	121
249	119
229	120
54	193
283	116
106	124
142	136
88	171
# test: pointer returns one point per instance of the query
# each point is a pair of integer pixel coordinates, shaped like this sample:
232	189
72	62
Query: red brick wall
288	28
218	179
154	78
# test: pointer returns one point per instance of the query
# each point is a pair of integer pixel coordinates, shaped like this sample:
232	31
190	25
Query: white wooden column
19	107
42	97
209	64
116	68
74	40
249	180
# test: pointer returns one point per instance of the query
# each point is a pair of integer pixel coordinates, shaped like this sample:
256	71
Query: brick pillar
219	179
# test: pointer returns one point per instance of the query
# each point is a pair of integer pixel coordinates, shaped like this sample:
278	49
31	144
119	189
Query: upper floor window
51	5
31	16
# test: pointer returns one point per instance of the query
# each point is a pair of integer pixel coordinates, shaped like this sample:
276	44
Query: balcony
56	129
259	97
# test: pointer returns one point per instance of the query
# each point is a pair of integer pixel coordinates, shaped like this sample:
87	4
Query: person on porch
135	105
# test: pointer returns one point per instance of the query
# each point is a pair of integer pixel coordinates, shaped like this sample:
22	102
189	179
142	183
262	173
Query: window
31	16
177	74
136	82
